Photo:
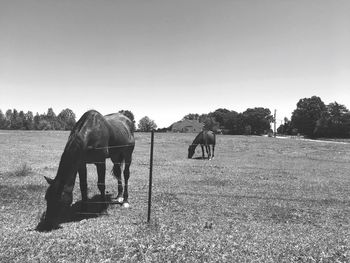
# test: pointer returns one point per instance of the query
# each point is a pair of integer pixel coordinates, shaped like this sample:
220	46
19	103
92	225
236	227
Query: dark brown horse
205	139
93	139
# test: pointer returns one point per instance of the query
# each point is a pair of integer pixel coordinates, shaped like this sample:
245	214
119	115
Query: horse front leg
101	172
202	151
83	184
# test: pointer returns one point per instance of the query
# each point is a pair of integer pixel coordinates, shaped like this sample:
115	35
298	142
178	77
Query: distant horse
93	139
204	138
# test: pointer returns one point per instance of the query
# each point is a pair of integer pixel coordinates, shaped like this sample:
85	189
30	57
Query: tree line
252	121
18	120
65	120
314	119
311	118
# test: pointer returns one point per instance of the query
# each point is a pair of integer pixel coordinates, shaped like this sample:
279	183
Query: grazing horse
204	138
93	139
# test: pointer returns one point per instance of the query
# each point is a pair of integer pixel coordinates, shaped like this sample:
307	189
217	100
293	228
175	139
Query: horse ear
49	180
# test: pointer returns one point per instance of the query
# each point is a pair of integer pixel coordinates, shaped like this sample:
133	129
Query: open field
260	199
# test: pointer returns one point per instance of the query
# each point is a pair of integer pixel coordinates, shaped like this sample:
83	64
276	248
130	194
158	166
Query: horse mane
78	126
197	138
200	136
75	143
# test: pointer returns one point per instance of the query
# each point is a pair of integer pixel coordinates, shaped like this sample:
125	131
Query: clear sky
165	59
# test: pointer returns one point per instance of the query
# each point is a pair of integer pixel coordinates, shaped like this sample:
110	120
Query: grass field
260	200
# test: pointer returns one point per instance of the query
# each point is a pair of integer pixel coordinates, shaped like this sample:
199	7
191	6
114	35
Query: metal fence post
150	179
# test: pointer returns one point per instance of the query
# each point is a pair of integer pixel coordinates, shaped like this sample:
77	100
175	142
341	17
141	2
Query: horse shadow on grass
95	207
200	158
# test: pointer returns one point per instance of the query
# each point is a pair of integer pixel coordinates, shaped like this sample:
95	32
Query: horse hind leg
209	153
126	180
207	148
118	174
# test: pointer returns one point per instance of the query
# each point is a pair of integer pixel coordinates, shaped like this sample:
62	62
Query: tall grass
22	170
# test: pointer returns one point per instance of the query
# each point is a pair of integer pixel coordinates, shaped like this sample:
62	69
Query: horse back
104	131
120	130
121	139
102	136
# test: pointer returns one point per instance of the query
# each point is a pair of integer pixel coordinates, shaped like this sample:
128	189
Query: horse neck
70	160
66	170
198	139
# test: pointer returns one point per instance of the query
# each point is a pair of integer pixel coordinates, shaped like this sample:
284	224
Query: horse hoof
120	199
126	205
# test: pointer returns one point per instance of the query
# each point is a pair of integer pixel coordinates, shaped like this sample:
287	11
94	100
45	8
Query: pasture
259	200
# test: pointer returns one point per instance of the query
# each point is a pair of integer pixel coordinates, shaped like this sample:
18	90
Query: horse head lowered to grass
204	139
93	139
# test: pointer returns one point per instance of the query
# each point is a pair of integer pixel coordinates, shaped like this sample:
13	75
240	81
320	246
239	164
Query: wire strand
109	147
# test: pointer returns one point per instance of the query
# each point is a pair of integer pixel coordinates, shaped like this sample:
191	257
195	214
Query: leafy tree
146	124
8	115
51	118
211	124
7	122
339	120
66	118
191	116
203	117
219	116
44	125
334	122
336	111
247	130
20	120
50	115
307	113
36	121
2	120
28	121
346	125
258	119
15	121
42	122
285	128
322	127
131	116
233	122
